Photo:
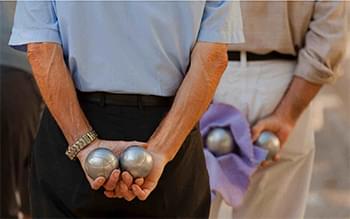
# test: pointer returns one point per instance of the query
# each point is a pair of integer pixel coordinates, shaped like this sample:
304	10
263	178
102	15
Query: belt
125	99
236	56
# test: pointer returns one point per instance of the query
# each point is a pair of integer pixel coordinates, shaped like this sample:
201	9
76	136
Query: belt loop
102	99
139	102
243	59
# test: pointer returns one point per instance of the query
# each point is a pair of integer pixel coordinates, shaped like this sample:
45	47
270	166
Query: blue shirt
125	46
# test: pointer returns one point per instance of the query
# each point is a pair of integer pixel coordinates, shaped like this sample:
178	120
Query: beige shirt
315	31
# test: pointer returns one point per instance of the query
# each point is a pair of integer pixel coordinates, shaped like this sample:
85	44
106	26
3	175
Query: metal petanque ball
101	162
137	161
270	142
219	141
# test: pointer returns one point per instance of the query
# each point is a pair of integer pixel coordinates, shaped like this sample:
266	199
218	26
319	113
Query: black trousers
20	109
59	187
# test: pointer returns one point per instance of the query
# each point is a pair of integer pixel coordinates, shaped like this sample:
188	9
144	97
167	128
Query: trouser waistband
125	99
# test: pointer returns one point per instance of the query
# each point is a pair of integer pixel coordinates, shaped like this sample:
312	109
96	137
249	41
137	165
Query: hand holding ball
101	162
137	161
270	142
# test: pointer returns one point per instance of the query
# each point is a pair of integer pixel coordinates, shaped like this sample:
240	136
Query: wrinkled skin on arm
208	62
58	91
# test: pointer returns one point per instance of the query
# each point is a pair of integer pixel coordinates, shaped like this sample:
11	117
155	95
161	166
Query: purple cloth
229	174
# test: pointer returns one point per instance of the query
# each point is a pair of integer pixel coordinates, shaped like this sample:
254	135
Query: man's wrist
286	113
162	151
296	99
85	151
86	139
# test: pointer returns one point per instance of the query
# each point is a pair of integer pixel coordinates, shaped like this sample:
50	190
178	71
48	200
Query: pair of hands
122	184
277	123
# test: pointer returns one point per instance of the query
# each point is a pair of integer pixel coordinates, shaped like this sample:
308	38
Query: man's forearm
297	98
57	89
208	62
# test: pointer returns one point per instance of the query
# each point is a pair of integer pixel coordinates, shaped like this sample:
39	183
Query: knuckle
123	190
288	129
122	193
256	129
109	187
117	194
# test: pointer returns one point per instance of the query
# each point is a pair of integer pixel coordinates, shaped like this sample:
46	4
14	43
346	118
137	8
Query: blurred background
330	187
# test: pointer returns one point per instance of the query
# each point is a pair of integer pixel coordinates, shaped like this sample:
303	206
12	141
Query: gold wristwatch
81	143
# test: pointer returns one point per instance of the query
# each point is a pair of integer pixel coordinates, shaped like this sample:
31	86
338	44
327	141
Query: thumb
267	124
257	129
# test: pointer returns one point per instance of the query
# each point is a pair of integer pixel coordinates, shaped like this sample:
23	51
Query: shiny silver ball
101	162
270	142
137	161
219	141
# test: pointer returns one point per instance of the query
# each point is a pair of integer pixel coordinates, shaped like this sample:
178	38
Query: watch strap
81	143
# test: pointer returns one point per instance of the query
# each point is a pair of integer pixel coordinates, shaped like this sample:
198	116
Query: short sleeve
35	21
222	22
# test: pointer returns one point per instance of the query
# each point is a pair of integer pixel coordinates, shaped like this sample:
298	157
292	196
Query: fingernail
100	180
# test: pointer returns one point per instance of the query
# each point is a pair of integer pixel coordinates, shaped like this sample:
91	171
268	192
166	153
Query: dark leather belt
236	56
125	99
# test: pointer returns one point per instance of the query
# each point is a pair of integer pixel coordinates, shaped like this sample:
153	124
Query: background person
291	50
20	112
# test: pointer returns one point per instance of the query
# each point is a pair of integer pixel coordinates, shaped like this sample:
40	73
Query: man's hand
282	121
129	188
142	191
277	124
117	147
208	62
